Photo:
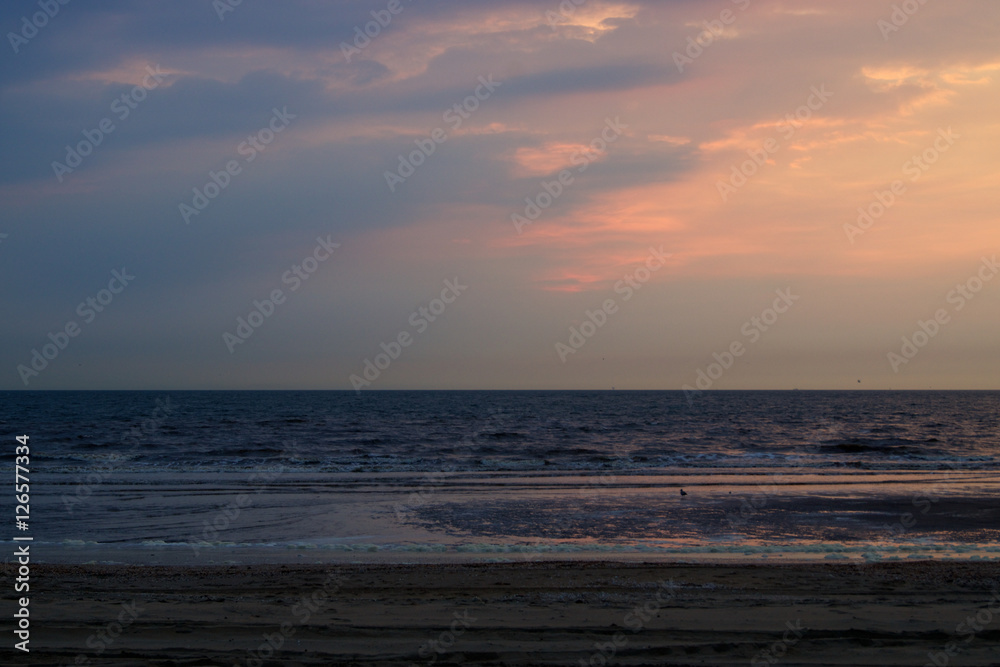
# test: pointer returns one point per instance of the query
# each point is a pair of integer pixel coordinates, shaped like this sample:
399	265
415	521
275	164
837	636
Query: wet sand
541	613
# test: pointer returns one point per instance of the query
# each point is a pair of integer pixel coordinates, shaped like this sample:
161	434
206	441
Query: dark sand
539	613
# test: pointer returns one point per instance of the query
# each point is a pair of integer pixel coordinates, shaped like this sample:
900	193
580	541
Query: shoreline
545	612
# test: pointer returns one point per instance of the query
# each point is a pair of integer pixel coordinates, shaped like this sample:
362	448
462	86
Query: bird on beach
683	492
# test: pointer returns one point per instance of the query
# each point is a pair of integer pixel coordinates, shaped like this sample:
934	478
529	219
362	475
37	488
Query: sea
240	477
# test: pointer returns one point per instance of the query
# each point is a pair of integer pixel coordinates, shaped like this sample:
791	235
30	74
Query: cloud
656	185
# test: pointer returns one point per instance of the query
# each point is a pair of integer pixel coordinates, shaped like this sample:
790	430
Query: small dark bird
683	492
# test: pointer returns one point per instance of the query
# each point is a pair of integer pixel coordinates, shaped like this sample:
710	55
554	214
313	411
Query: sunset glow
534	150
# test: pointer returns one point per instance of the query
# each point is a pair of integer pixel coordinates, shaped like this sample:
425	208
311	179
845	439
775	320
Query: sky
421	194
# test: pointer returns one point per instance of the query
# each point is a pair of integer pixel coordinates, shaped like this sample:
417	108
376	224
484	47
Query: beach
519	613
512	528
421	333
